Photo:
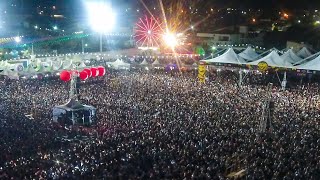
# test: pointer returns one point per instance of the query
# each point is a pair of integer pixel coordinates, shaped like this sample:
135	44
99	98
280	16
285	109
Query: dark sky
76	5
280	3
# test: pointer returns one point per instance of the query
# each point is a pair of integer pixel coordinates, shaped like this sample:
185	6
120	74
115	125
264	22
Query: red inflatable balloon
65	76
83	75
95	72
101	71
88	72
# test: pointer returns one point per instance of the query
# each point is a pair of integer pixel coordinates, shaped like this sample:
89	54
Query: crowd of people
157	125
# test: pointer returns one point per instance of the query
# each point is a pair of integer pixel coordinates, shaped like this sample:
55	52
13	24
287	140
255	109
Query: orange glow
285	15
254	20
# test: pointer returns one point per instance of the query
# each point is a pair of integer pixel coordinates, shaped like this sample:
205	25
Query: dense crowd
160	126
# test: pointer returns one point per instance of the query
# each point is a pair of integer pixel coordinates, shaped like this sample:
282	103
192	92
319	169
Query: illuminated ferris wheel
147	32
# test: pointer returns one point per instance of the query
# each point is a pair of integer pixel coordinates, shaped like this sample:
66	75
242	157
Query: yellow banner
202	73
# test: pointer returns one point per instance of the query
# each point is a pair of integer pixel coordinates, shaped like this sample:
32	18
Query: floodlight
17	39
101	16
170	39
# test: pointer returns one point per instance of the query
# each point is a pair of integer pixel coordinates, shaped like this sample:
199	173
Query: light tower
267	111
73	86
101	18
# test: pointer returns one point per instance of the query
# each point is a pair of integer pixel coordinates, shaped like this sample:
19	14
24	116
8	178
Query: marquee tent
229	57
47	66
313	65
291	57
15	66
6	71
119	64
67	64
57	64
304	53
3	65
73	112
144	62
156	63
273	59
82	65
248	54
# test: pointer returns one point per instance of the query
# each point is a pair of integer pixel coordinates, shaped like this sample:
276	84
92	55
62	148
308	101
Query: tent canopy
72	105
156	62
291	57
313	65
248	54
273	59
118	64
229	57
304	53
144	62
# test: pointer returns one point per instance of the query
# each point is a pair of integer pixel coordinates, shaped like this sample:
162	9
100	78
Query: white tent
248	54
273	59
67	64
304	53
6	71
76	58
82	65
2	65
313	65
47	66
17	67
144	62
119	64
14	67
156	63
291	57
57	64
34	67
229	57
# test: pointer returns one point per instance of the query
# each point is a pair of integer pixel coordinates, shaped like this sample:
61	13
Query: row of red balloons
84	74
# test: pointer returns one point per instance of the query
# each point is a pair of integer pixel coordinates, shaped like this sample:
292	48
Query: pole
100	42
266	113
284	81
32	52
240	77
82	46
73	87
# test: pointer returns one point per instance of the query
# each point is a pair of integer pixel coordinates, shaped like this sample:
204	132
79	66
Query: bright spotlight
17	39
101	16
55	27
170	39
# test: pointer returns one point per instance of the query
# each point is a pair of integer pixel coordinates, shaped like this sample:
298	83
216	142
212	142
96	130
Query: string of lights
8	39
42	42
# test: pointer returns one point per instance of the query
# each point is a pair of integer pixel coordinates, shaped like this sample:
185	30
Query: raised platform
74	113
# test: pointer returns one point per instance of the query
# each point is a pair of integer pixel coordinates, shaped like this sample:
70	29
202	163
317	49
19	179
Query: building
215	39
230	37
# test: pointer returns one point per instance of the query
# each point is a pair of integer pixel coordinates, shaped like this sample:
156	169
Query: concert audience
160	126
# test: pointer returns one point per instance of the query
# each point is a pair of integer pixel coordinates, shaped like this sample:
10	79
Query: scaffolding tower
266	118
73	84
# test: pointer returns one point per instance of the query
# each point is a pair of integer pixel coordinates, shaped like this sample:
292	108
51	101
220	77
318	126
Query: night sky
75	4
